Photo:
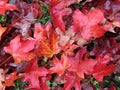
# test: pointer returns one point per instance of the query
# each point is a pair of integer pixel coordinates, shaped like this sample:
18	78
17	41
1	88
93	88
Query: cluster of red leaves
59	51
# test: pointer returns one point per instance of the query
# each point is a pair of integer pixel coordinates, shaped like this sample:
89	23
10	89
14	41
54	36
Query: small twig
5	61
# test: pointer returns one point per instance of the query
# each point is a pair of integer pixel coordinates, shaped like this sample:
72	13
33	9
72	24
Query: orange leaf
2	30
9	80
47	42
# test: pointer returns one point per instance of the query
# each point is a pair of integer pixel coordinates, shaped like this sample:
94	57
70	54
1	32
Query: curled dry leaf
66	36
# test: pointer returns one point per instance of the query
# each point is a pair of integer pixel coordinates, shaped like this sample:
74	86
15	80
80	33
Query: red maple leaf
102	69
9	80
20	49
89	25
81	65
104	60
57	17
33	73
86	67
60	65
58	9
4	6
47	42
41	31
53	3
60	4
72	80
2	30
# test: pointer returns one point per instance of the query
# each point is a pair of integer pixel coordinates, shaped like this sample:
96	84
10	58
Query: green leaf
19	85
117	79
48	83
45	59
96	83
54	84
78	5
45	15
118	88
92	8
2	18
